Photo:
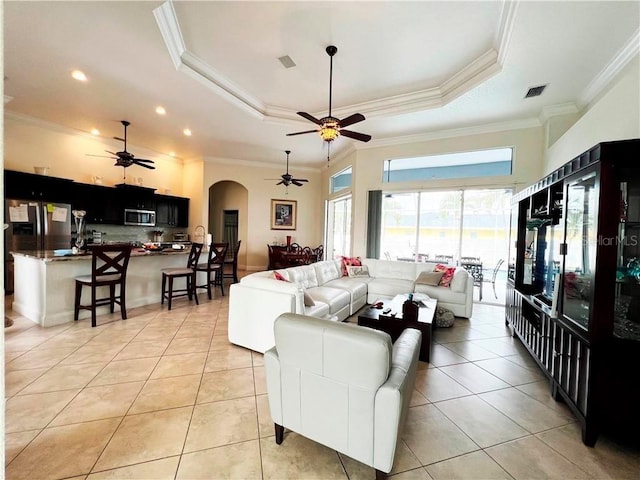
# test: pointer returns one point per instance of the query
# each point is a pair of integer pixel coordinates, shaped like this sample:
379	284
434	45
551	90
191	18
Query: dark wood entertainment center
573	289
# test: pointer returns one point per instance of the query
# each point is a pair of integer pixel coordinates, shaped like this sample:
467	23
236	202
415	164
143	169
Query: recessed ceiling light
95	131
172	154
79	75
187	132
160	110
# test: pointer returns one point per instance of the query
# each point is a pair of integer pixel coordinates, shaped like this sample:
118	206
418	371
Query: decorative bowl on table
152	247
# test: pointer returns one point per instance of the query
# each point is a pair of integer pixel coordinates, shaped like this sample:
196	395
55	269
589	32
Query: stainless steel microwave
146	218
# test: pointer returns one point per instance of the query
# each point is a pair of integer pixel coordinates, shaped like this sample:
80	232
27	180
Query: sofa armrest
272	372
393	397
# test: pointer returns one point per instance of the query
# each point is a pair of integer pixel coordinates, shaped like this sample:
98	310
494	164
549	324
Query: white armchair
341	385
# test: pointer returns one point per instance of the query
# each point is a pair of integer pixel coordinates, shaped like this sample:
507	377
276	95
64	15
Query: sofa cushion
304	276
445	295
459	280
326	271
358	271
336	299
350	261
382	269
430	278
389	287
308	301
448	271
356	286
320	309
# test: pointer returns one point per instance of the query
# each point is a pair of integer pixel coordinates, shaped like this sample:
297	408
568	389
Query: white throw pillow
358	271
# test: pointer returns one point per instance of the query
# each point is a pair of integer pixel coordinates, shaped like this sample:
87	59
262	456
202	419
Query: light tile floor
164	395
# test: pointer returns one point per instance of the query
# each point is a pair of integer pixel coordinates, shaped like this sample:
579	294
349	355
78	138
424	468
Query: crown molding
257	164
470	76
621	59
557	110
505	28
452	133
56	127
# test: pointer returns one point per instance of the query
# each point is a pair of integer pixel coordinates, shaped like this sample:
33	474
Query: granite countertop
66	255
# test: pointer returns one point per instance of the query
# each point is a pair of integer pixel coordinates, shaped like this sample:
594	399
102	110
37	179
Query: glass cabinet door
580	259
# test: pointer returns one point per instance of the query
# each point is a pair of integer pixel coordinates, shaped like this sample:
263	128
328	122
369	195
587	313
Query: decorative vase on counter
78	216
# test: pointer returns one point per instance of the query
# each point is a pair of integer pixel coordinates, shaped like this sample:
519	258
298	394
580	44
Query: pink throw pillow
279	277
350	262
445	281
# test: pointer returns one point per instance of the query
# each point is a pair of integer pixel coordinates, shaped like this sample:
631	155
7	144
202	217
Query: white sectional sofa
259	298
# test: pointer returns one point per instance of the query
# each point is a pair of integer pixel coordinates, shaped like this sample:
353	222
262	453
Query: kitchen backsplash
125	233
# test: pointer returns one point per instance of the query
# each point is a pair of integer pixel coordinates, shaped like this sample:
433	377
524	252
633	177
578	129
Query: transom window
482	163
341	180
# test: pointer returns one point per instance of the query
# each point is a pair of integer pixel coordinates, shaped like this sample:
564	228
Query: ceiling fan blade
144	160
150	167
301	133
296	183
310	117
299	180
112	153
363	137
119	138
351	119
102	156
281	182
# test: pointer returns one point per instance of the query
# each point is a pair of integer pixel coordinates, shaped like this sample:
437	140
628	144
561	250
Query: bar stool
233	261
215	263
108	269
189	273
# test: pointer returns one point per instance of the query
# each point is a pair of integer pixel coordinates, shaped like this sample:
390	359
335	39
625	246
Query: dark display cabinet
573	289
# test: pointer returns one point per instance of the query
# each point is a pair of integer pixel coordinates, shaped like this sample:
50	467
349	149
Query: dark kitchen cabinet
137	198
102	204
172	211
29	186
574	296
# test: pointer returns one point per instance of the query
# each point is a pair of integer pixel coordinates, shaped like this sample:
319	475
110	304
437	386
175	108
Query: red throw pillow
349	262
279	277
445	281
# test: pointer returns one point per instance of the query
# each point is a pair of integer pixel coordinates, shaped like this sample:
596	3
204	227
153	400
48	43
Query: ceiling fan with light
124	158
331	127
287	179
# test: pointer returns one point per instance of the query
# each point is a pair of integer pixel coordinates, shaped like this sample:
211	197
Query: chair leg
193	288
164	285
279	433
123	303
112	298
76	309
481	285
380	475
220	278
170	291
93	306
209	283
494	290
235	272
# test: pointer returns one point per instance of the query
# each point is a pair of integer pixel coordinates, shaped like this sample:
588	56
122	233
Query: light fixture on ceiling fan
330	126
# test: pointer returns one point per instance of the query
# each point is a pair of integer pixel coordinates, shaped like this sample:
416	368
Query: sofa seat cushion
355	286
336	299
383	269
389	287
320	309
442	294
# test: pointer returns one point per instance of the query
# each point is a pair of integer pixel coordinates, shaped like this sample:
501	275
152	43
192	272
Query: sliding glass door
339	231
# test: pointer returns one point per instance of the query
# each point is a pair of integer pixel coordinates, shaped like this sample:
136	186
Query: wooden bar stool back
214	265
188	273
108	269
233	261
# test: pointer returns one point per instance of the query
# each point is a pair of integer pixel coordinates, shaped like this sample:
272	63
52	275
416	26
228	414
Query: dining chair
444	258
214	265
188	273
233	262
108	269
319	251
494	274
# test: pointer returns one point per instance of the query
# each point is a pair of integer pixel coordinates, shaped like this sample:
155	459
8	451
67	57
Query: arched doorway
228	206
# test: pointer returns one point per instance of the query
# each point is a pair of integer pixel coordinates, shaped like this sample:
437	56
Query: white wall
30	143
260	192
368	167
615	115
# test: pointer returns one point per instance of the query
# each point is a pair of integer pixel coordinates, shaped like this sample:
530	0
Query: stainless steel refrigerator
34	225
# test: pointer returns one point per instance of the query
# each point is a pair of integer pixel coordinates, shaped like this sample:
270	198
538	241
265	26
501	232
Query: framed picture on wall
283	214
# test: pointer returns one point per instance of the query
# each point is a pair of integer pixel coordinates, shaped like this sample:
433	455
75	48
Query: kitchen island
44	285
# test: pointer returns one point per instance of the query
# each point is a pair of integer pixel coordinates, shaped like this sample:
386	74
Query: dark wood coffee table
394	326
